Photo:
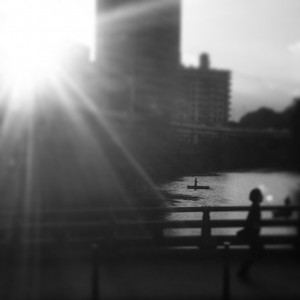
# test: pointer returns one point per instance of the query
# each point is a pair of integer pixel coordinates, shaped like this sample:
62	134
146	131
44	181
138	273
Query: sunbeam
92	155
62	105
90	105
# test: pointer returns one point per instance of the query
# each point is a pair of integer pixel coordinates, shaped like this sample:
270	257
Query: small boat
198	187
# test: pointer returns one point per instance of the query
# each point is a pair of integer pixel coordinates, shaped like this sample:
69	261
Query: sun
34	36
31	41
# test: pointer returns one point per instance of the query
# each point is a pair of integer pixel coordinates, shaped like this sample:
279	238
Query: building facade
205	94
138	54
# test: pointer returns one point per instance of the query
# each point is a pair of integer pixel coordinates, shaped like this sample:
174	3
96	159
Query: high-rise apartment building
138	54
205	93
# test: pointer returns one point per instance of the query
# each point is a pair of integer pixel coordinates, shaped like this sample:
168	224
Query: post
226	274
61	233
110	232
297	244
13	252
132	84
95	272
206	230
158	234
62	236
16	232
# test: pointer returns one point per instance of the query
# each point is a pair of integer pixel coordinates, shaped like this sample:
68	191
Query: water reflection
228	189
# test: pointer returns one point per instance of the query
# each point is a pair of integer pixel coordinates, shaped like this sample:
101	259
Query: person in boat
196	182
250	233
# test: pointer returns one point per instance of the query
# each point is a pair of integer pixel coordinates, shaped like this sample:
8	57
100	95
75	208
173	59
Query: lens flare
263	188
35	36
269	198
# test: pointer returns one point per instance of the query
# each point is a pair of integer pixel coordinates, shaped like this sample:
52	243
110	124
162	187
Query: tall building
138	54
205	93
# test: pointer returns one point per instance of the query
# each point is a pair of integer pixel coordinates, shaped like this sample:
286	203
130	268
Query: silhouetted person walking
250	233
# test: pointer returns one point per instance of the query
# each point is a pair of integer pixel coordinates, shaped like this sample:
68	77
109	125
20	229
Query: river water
228	189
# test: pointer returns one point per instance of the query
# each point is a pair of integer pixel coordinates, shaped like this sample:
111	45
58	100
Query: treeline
213	154
267	118
160	155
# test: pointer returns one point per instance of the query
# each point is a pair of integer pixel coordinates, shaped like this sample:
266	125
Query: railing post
158	234
110	232
206	229
16	232
226	273
95	272
62	236
297	244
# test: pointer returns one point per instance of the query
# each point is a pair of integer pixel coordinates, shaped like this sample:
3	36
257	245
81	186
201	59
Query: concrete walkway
187	275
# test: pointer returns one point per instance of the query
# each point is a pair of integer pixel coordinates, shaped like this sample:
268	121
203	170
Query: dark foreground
188	274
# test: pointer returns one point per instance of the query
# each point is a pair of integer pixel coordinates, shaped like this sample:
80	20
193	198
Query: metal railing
138	227
107	231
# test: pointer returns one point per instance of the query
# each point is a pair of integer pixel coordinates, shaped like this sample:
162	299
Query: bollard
206	230
62	236
297	244
110	233
226	274
16	236
158	234
95	272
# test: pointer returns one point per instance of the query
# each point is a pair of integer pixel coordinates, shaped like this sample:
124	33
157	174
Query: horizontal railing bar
78	212
162	224
195	238
171	241
267	240
159	224
263	223
57	225
212	223
246	208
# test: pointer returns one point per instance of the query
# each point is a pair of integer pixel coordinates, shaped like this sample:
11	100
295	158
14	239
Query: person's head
256	196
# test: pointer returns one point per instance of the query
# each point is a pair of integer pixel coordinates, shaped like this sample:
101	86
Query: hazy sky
258	40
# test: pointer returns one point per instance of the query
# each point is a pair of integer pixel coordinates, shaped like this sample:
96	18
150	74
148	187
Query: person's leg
244	268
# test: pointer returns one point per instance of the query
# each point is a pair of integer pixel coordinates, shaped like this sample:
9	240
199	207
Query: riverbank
105	165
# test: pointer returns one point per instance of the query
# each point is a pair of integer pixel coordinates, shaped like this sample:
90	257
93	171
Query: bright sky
35	35
66	13
258	40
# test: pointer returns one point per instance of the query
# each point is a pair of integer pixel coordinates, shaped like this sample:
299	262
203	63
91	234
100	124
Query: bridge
188	129
193	131
108	253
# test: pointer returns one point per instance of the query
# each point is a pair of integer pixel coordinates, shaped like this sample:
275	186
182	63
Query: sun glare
34	36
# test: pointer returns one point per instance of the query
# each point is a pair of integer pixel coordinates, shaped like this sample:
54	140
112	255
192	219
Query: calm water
231	189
